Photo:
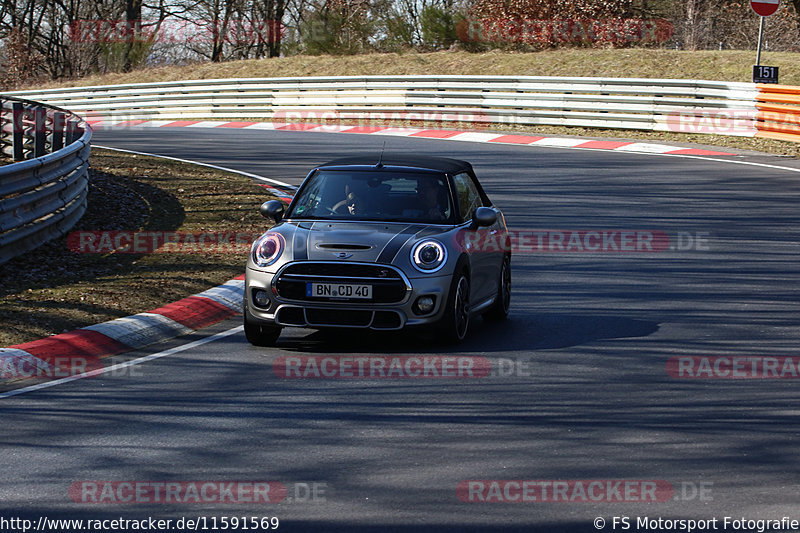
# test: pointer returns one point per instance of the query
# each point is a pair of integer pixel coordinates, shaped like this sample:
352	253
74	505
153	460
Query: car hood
350	241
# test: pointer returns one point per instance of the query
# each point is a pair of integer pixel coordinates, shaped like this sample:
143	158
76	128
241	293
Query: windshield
382	196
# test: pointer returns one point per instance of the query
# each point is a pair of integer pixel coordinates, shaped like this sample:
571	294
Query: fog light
261	298
425	304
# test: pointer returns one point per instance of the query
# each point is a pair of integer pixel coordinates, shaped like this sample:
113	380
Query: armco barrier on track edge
778	114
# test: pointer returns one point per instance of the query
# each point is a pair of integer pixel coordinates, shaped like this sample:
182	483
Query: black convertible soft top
440	164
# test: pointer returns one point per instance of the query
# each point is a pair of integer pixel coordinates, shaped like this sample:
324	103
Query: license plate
339	290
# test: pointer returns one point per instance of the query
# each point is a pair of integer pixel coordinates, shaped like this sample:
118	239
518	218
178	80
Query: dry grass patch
728	65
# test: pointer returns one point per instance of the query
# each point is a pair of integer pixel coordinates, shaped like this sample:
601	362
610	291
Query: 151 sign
764	74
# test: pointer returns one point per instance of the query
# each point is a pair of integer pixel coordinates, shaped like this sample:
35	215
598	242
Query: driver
351	201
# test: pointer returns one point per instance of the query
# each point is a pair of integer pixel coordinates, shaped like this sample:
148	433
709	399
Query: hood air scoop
343	246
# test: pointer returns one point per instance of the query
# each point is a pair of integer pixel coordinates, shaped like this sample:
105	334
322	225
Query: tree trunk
133	16
276	33
695	9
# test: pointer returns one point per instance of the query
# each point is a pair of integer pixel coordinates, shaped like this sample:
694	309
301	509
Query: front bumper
294	312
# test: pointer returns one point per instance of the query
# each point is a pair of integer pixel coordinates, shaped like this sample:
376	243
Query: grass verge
53	289
724	65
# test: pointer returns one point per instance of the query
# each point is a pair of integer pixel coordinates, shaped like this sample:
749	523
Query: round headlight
429	255
267	249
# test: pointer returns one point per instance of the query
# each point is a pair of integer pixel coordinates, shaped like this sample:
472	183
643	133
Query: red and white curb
449	135
129	333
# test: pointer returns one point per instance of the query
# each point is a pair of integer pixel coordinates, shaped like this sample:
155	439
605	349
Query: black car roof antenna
380	159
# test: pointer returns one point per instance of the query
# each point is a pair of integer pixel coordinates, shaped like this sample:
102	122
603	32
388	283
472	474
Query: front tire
455	324
499	309
260	334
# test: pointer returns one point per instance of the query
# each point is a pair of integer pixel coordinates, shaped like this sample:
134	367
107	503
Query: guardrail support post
57	142
73	132
17	131
39	131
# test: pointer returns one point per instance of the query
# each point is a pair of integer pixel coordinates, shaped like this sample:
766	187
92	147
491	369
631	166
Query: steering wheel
340	210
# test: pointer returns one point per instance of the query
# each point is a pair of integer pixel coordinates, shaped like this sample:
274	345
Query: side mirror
272	210
484	216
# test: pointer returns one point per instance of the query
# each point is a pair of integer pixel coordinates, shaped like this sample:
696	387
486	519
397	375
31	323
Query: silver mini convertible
383	243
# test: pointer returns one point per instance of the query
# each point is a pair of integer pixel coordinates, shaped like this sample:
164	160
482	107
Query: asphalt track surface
592	332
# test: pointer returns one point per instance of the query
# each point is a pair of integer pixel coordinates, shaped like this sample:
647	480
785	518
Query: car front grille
388	285
288	315
335	317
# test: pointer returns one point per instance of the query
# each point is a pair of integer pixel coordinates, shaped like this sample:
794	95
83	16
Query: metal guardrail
43	192
622	103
